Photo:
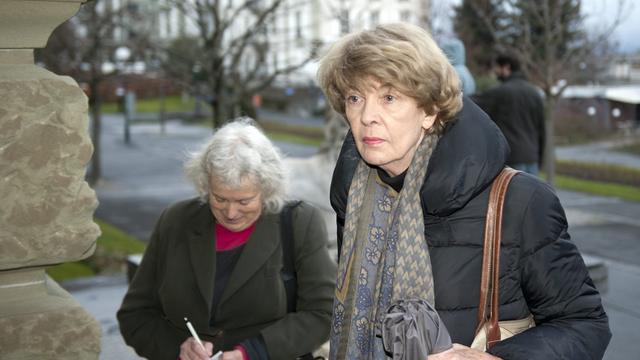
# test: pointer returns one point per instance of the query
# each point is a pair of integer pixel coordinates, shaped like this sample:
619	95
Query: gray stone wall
46	217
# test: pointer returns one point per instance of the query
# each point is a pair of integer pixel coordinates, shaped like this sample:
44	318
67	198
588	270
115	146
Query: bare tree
83	46
550	39
232	43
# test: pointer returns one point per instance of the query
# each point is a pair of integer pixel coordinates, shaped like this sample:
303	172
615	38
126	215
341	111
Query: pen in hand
194	333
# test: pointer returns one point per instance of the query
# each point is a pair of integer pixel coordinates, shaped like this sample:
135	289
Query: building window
182	23
344	21
374	18
405	15
168	23
298	25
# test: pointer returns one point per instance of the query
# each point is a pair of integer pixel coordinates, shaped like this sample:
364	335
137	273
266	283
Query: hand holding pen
193	348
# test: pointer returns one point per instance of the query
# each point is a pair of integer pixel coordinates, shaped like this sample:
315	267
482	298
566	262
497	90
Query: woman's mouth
370	140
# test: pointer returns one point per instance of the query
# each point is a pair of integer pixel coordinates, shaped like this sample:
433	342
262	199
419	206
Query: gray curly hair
240	150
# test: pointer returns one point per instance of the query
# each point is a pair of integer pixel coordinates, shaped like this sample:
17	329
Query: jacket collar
469	155
516	75
202	251
260	246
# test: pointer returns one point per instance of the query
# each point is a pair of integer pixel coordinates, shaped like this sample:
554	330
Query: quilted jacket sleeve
570	320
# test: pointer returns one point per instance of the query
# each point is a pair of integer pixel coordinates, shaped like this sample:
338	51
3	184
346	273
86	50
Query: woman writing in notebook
217	260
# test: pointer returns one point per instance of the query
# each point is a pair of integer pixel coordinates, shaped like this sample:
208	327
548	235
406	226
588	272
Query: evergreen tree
479	24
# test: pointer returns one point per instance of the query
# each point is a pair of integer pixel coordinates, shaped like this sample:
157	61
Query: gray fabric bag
412	329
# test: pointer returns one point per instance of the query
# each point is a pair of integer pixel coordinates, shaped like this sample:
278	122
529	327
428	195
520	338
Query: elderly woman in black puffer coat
410	190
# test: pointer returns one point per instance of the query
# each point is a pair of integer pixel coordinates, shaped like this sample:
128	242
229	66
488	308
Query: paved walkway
142	178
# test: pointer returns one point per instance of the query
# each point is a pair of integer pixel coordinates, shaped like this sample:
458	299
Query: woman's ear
429	121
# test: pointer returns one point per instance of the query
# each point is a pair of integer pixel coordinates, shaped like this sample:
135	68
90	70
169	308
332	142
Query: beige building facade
46	216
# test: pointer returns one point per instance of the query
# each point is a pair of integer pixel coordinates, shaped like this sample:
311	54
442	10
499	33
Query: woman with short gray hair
236	151
218	260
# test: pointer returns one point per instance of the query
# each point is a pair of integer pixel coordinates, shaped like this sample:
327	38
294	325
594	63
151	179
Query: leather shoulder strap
488	309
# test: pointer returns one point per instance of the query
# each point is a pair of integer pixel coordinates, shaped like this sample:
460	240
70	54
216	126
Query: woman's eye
389	98
353	99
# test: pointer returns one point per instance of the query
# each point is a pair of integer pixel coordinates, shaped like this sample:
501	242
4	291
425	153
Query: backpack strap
288	272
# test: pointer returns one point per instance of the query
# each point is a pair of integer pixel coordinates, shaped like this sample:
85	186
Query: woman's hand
191	350
232	355
461	352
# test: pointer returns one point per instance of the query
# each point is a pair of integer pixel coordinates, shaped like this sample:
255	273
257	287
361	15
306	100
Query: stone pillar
46	216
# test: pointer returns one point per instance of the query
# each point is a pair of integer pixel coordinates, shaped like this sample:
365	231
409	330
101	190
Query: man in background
517	108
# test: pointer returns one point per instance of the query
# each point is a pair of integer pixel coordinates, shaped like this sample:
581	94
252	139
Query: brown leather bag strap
488	309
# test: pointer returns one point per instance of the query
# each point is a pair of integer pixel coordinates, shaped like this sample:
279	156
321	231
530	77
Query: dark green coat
176	279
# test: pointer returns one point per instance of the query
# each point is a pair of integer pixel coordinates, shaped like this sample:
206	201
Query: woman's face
235	207
387	126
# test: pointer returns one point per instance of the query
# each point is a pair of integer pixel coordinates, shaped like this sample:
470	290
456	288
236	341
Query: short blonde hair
402	56
236	151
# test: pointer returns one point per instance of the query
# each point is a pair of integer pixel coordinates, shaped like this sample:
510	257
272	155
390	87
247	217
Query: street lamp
122	55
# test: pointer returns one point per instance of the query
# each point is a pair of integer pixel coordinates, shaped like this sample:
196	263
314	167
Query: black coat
541	269
517	107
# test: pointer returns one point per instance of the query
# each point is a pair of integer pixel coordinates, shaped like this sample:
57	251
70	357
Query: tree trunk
216	113
549	146
96	129
218	105
247	108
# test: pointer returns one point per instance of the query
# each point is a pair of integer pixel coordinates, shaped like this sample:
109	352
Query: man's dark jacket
517	107
540	268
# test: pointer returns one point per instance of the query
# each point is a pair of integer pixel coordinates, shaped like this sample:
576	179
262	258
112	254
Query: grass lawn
633	148
111	251
295	139
298	134
172	104
624	192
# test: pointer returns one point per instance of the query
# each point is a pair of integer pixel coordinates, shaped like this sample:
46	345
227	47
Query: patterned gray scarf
412	277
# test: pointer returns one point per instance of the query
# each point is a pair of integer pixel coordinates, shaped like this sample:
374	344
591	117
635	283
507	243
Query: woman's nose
370	113
231	211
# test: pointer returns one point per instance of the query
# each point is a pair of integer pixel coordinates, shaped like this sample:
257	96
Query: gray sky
599	15
602	13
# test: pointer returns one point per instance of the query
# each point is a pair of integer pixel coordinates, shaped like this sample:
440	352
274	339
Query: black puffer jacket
540	268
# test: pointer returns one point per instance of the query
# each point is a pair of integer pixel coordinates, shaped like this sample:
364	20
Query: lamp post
122	55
